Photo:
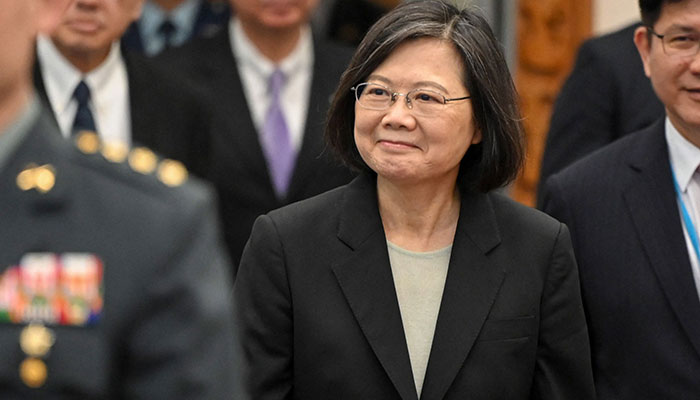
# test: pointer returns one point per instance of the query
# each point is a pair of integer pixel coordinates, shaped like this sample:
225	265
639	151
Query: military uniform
112	282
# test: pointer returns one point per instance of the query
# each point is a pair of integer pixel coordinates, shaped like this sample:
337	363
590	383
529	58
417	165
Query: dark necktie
83	118
166	31
276	141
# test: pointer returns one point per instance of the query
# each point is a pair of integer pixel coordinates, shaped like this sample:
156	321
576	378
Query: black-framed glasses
424	102
678	42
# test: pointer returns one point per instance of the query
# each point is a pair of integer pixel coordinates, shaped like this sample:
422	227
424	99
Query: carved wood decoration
548	36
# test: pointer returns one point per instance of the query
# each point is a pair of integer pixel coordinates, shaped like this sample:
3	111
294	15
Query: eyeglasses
680	43
424	102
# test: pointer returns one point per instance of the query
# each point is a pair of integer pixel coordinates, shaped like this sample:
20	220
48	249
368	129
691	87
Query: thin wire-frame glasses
680	43
424	102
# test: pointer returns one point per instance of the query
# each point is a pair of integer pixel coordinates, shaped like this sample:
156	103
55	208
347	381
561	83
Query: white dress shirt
109	91
254	70
685	160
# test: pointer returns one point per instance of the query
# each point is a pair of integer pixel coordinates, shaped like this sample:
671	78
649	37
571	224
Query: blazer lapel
652	204
473	280
365	278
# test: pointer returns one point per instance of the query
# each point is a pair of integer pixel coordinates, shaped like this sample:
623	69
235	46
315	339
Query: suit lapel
234	107
473	281
651	201
365	278
322	86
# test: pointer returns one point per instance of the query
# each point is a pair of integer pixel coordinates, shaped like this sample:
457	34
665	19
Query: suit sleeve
264	314
583	119
181	345
563	368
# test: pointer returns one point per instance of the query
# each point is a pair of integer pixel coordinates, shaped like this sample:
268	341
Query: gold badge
36	340
33	372
115	152
42	178
142	160
87	142
172	173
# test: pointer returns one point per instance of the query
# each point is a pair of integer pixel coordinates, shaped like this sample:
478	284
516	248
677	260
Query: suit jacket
606	97
167	115
212	16
239	168
319	316
638	291
165	330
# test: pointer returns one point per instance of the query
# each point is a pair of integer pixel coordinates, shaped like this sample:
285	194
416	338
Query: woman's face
403	147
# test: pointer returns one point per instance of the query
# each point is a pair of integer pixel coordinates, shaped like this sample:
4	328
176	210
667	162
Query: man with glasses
634	211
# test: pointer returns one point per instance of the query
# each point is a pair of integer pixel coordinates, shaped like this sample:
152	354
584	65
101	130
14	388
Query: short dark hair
651	10
487	165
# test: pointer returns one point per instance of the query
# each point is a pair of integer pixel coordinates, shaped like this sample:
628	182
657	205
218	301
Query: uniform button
33	372
36	340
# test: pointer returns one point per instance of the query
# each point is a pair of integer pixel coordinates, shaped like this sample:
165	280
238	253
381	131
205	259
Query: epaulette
140	159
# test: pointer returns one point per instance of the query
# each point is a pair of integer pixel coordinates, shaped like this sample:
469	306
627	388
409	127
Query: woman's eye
377	92
426	97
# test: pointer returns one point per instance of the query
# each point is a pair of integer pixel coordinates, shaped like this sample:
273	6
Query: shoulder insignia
42	178
172	173
115	152
87	142
142	160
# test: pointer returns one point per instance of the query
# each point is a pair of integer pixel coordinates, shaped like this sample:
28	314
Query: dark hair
497	159
651	10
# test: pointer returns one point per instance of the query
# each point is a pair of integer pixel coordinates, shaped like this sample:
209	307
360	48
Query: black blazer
320	320
165	330
167	115
638	290
239	168
606	97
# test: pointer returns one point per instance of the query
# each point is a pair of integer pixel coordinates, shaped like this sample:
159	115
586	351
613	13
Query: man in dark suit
632	208
169	23
265	37
113	284
606	97
129	100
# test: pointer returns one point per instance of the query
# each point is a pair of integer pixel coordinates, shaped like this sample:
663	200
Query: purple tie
276	141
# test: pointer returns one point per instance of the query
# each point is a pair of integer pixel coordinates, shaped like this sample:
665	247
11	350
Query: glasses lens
373	96
426	101
681	43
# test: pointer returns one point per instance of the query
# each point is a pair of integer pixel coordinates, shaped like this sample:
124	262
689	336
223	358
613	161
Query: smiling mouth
397	145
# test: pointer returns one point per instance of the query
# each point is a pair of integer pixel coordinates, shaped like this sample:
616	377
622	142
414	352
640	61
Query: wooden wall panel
548	36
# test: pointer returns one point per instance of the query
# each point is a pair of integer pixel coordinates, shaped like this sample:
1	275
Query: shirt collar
245	52
685	156
61	77
182	16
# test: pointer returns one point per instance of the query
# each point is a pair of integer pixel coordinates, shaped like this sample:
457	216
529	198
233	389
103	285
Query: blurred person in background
93	86
269	81
113	283
170	23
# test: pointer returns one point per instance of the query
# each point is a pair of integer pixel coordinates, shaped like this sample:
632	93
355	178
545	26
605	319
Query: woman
414	281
